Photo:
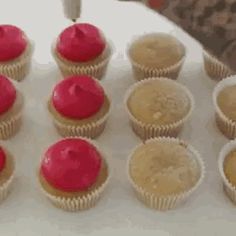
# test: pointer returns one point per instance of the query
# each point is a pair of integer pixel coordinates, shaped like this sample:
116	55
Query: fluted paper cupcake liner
225	125
84	202
19	68
142	72
147	131
6	188
68	68
164	203
229	189
10	127
214	68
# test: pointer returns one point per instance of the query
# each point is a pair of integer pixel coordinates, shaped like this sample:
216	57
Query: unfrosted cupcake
82	49
11	105
73	174
224	97
156	55
15	52
79	107
227	168
215	69
165	172
158	107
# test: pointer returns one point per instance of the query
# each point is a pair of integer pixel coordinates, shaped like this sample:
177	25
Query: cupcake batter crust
159	102
157	51
230	167
227	102
164	168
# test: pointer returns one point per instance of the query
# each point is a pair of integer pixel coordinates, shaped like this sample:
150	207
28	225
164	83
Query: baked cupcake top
81	43
71	165
158	50
230	167
227	101
78	97
12	42
164	168
7	94
159	102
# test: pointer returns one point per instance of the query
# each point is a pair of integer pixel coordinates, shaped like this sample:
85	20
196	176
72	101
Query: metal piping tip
74	20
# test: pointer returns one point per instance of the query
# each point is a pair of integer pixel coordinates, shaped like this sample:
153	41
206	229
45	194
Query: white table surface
27	212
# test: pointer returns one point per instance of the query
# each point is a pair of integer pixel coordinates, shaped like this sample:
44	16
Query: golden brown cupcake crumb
230	167
157	50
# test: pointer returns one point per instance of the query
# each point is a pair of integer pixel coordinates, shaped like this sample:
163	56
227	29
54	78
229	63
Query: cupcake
227	168
15	52
164	172
7	168
82	49
73	174
79	107
224	97
158	107
156	55
215	69
11	105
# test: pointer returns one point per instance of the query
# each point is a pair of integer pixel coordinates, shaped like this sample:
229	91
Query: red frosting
2	159
78	97
12	42
71	165
7	94
81	43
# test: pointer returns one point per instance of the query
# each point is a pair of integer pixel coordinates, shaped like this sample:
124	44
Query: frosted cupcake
82	49
11	105
215	69
165	172
156	55
158	107
224	97
15	52
79	107
73	174
7	169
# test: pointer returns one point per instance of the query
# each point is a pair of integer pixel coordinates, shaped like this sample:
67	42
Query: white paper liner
142	72
20	67
147	131
225	125
6	188
214	68
81	203
10	127
69	68
229	189
164	203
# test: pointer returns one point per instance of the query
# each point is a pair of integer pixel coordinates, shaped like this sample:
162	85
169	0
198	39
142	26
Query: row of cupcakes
83	49
164	172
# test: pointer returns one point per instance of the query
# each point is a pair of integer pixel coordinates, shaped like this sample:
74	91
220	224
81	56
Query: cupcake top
71	165
164	168
7	94
81	43
227	101
157	50
159	102
12	42
78	97
230	167
2	159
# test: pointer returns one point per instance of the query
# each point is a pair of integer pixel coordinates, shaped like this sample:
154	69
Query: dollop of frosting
7	94
12	42
71	165
81	43
2	159
78	97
